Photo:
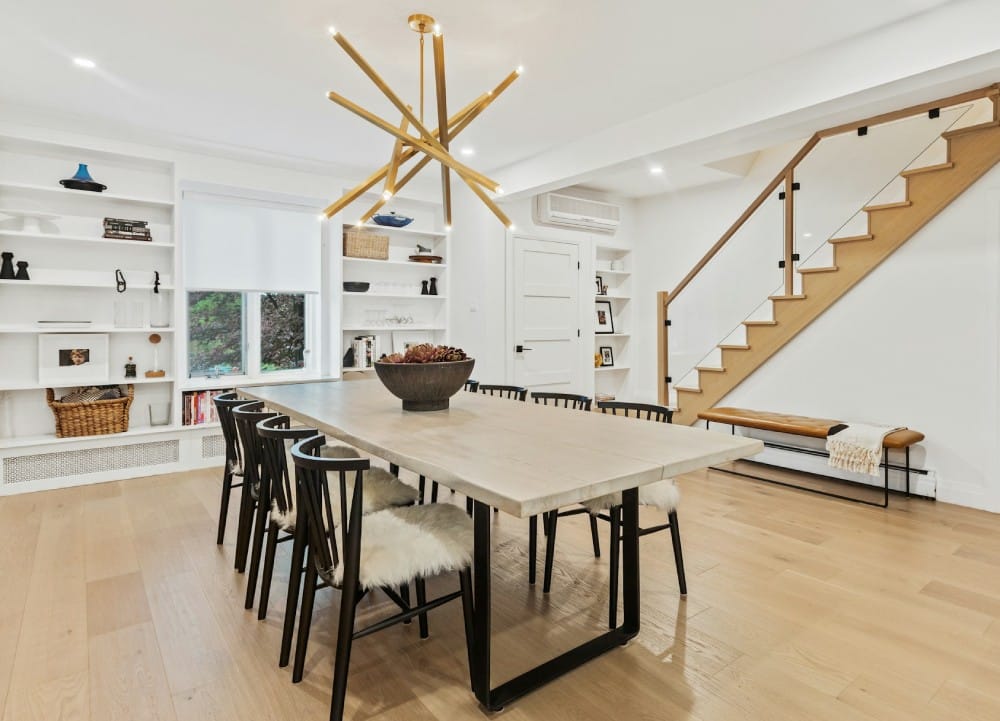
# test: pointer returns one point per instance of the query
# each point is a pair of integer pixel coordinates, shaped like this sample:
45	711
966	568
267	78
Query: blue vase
82	173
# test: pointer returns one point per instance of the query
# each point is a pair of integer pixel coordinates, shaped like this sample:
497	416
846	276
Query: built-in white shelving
77	239
90	196
615	380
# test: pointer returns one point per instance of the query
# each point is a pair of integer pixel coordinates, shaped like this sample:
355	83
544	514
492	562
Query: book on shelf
198	407
366	351
123	229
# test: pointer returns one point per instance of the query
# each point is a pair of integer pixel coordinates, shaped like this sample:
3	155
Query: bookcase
613	268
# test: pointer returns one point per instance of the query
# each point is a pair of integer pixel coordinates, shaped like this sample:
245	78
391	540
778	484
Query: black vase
434	286
22	270
423	288
7	269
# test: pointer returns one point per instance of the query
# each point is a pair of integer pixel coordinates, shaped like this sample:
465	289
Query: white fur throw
664	495
858	447
400	544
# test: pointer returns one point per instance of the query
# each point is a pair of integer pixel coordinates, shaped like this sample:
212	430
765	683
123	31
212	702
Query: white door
546	279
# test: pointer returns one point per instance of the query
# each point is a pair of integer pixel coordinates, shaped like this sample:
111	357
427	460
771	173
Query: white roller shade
249	245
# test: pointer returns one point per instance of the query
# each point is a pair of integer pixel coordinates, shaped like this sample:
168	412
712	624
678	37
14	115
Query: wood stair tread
851	238
688	390
710	369
888	206
970	129
760	322
786	297
732	346
822	269
928	169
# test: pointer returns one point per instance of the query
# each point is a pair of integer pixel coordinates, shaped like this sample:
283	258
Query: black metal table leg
907	471
885	493
494	699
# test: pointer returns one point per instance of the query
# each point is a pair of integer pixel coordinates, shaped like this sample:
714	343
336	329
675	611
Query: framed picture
600	286
605	322
607	356
72	359
402	339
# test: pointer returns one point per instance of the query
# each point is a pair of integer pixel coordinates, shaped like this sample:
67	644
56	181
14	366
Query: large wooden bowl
424	386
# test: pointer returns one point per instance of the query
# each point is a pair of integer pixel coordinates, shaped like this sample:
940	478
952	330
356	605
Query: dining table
524	459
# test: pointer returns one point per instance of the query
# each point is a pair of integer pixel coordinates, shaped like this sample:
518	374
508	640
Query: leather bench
812	428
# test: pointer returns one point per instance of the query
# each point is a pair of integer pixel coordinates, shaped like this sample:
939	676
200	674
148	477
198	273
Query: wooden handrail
990	91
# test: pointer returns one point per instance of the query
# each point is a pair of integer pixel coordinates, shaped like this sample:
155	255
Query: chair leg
404	593
434	491
243	527
261	527
465	582
294	582
532	548
468	505
421	600
342	656
268	572
616	548
675	537
421	487
594	537
305	618
550	550
227	491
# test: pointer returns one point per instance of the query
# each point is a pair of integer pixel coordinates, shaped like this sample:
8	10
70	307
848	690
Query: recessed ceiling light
807	235
84	63
467	151
656	170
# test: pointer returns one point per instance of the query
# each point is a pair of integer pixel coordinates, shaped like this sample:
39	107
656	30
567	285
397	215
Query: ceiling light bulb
359	224
520	70
447	229
84	63
499	190
437	29
321	217
512	227
467	151
656	170
386	195
332	30
807	235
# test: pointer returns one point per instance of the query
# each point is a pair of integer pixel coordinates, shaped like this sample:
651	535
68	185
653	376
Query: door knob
520	349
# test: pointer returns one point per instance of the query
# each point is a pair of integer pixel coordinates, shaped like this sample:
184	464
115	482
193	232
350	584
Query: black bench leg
907	471
885	493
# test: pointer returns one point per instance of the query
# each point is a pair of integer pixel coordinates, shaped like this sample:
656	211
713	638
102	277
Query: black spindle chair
514	392
662	495
471	385
257	505
224	404
388	559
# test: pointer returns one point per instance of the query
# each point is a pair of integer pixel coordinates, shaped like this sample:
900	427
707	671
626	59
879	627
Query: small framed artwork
601	288
605	321
607	356
72	359
401	339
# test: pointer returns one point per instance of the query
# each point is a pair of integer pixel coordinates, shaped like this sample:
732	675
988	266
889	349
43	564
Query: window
248	334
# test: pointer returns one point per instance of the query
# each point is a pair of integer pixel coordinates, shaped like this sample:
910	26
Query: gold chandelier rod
442	111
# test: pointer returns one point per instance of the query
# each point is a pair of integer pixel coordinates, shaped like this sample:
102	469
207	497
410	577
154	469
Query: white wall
915	343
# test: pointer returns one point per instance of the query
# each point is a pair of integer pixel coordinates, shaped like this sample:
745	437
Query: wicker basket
90	419
362	244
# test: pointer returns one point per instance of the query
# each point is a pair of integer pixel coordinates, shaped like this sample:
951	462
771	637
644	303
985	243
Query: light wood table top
522	458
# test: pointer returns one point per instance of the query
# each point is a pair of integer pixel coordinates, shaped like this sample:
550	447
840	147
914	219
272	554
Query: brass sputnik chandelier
429	144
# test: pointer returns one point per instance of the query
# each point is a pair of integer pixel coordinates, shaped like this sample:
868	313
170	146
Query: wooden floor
115	603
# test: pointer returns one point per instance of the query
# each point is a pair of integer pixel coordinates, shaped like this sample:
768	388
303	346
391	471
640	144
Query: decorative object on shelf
123	229
431	144
120	285
426	376
426	258
348	361
605	321
392	220
356	286
607	356
22	271
72	358
597	360
31	221
424	290
130	368
159	413
604	397
108	414
7	266
424	250
157	372
434	286
361	244
159	306
83	181
601	288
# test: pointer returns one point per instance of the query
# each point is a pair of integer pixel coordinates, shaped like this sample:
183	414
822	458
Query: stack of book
199	408
366	351
122	229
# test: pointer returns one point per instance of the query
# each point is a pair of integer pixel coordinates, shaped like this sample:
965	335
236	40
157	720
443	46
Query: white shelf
50	438
612	272
35	386
59	190
598	336
56	237
373	227
408	263
612	297
356	370
606	369
390	329
408	296
89	328
612	248
208	384
109	284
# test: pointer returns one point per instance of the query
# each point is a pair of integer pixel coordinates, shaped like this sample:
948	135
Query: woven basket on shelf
363	244
90	419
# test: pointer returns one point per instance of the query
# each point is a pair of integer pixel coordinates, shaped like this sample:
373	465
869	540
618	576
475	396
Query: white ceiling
253	74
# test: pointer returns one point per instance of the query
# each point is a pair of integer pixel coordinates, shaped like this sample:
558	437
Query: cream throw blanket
858	447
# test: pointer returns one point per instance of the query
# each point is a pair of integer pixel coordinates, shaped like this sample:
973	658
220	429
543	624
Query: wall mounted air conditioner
566	211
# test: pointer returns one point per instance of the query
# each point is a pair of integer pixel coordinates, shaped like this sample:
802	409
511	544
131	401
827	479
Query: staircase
971	152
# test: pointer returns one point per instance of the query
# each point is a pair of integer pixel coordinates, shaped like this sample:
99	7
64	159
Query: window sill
203	384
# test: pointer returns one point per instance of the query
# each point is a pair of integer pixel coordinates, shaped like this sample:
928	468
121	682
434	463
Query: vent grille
582	206
213	446
21	469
